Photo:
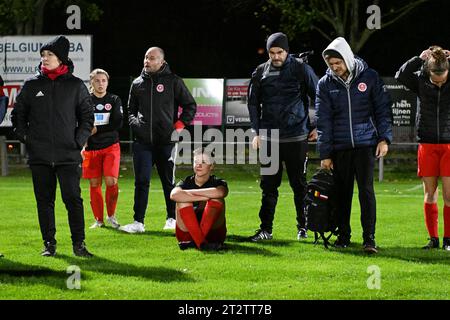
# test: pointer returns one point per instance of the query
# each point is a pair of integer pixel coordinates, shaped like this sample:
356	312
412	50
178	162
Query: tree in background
333	18
26	17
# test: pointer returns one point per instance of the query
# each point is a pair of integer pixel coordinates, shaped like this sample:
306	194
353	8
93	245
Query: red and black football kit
102	155
200	218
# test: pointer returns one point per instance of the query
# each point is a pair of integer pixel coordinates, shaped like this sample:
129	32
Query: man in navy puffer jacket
354	120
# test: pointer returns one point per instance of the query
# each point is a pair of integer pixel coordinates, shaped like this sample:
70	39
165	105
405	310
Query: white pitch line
419	186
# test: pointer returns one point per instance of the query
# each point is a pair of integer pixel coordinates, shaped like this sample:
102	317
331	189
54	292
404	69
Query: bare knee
430	198
446	196
110	181
95	182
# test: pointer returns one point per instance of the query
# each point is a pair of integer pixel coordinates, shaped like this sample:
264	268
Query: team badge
160	88
108	106
362	87
99	107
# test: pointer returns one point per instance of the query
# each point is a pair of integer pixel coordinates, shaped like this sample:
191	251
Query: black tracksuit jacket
433	116
153	106
54	118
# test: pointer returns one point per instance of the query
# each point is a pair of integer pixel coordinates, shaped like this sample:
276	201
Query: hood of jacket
355	64
340	45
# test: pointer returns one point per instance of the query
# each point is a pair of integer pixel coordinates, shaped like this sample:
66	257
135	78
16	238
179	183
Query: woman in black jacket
427	76
53	116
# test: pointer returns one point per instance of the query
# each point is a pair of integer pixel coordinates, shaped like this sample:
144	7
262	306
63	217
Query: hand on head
425	55
447	53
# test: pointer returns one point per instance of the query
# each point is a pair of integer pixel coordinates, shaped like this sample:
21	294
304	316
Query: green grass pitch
151	266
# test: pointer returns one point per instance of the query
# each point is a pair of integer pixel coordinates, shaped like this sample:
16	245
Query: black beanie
278	39
60	47
330	53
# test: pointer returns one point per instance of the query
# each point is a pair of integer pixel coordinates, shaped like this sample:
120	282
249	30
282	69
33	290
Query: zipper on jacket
350	114
151	110
52	120
438	102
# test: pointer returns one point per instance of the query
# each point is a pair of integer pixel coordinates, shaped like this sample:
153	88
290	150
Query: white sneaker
97	224
135	227
170	224
113	221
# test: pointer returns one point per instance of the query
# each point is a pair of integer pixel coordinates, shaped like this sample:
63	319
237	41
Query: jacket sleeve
310	81
324	113
115	121
184	99
382	105
85	116
19	115
407	74
132	110
254	103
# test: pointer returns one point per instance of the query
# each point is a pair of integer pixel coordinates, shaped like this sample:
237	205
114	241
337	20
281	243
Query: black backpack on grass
320	208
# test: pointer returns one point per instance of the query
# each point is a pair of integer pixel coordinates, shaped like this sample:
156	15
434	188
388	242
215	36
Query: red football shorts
433	160
103	162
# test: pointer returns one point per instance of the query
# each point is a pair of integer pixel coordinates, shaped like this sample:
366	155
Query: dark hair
437	63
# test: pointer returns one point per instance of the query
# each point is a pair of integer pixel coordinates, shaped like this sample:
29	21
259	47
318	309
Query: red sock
446	222
431	219
97	202
111	194
189	218
211	213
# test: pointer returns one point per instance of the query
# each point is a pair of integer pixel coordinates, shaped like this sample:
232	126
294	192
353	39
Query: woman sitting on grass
200	209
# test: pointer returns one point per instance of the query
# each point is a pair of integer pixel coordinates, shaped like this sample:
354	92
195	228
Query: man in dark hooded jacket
153	116
53	117
354	126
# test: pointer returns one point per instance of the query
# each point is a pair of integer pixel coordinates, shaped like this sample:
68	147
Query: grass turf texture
151	266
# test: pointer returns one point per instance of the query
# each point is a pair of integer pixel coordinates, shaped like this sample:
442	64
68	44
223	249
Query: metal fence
14	152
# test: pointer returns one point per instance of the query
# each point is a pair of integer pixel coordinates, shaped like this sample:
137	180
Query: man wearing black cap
354	127
281	121
53	117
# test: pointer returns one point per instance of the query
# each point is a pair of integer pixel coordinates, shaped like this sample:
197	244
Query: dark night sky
202	40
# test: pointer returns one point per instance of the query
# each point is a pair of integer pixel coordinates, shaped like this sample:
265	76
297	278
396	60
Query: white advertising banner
20	57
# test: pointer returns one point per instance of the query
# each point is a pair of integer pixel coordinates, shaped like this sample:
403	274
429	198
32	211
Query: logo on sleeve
160	88
40	94
362	87
108	106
